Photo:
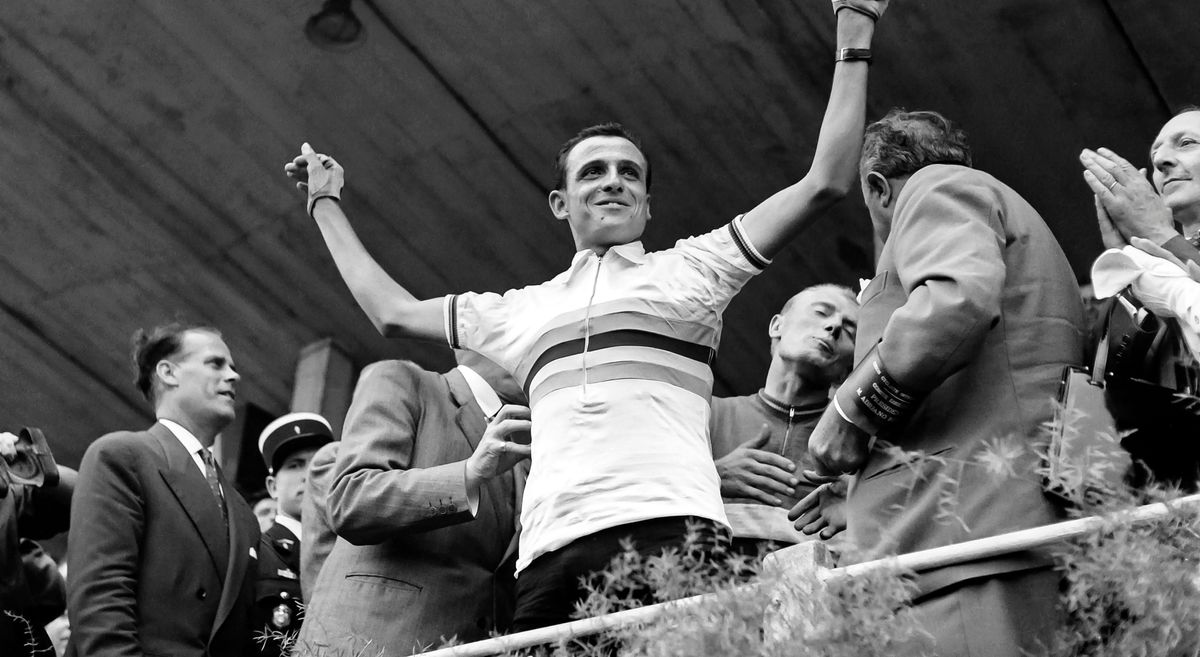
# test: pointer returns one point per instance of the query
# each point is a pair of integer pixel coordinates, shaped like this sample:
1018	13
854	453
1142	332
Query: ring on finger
1112	185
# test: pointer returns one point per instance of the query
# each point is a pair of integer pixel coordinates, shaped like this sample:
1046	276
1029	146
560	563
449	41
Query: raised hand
872	8
823	510
8	446
1127	197
753	473
318	175
497	451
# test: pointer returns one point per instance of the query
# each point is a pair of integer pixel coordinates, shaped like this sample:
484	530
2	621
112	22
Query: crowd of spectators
580	416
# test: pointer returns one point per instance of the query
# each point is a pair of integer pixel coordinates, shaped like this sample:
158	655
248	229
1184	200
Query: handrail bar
939	557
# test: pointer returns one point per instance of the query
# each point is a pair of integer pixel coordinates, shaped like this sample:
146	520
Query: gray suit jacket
974	301
411	564
317	528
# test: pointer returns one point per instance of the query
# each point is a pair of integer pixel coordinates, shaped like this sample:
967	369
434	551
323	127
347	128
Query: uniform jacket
277	599
975	302
153	571
411	564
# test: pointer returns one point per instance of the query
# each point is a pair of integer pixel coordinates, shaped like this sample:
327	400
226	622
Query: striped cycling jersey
615	355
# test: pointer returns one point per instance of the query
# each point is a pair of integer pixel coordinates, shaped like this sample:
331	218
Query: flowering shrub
1129	589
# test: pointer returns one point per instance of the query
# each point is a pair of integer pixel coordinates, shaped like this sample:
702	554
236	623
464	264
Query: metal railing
949	555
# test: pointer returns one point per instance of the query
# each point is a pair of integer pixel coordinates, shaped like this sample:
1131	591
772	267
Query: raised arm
775	221
393	310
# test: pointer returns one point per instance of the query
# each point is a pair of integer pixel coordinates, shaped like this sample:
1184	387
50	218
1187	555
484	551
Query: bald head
815	330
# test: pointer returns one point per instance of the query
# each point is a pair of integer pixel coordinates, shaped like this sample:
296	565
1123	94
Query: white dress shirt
189	442
291	523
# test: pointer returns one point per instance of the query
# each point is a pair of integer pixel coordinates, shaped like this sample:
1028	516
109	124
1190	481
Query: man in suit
161	545
963	336
287	445
424	502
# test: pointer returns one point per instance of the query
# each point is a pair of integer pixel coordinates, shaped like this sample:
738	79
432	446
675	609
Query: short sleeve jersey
615	356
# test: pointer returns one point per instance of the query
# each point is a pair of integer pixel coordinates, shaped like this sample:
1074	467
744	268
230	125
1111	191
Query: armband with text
872	400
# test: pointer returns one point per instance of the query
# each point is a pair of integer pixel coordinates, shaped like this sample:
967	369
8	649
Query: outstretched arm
775	221
393	310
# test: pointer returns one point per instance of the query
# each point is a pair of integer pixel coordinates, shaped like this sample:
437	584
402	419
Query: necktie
210	473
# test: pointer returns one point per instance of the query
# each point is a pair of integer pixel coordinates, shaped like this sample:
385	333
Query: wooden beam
324	382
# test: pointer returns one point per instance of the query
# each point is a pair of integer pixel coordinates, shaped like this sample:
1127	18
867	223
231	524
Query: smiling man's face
1176	159
605	199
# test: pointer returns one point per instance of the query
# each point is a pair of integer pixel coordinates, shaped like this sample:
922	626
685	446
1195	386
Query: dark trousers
548	588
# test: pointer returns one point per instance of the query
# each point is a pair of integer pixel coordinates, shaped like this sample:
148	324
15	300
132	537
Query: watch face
281	617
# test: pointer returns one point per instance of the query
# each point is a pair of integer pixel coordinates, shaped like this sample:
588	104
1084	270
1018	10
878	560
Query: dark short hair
903	142
150	347
610	129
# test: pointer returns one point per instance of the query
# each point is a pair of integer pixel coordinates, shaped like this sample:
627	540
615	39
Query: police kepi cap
289	433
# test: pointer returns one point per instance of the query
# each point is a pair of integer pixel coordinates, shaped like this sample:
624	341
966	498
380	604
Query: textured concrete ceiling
141	147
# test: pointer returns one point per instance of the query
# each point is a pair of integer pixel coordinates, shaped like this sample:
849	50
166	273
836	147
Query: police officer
286	445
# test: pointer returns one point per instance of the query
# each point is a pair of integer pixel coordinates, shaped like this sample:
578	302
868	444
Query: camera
33	465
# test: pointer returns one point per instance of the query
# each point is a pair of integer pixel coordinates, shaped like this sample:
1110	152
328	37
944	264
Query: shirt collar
189	441
489	402
788	410
290	523
634	252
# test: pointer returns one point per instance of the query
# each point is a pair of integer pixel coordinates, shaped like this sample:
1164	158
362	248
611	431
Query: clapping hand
1125	200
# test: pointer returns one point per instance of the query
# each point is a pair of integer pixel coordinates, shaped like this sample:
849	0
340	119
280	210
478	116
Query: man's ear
775	327
271	489
648	207
880	187
558	204
165	371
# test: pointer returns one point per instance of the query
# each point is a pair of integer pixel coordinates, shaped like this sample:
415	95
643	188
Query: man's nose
233	376
1163	160
834	328
612	180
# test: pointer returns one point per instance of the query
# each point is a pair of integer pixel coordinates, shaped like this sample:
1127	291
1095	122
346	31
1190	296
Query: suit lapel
193	494
472	423
469	418
241	538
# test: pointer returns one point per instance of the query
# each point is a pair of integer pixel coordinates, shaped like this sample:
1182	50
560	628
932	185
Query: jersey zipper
787	434
587	322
